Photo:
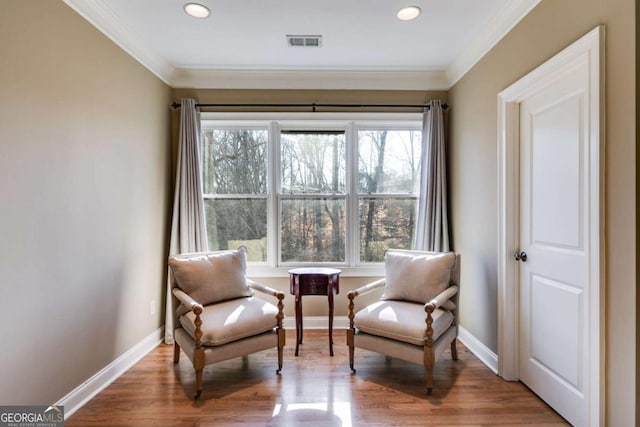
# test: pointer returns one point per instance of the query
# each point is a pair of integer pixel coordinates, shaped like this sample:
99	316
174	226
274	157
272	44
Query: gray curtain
432	227
188	230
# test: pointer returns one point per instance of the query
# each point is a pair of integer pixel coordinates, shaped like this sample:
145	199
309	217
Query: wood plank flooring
314	389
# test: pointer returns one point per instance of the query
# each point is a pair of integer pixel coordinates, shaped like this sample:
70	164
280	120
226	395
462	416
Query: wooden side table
314	281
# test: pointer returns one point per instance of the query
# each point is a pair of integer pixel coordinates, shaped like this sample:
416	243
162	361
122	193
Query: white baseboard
480	350
317	322
94	385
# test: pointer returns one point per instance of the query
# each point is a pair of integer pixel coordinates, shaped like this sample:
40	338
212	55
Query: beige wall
84	176
637	118
313	306
549	28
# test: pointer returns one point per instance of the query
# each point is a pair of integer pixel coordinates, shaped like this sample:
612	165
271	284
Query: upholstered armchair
217	316
416	318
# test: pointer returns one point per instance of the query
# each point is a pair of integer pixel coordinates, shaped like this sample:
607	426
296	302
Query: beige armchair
416	318
216	315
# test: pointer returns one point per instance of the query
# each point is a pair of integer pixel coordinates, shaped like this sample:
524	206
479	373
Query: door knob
522	256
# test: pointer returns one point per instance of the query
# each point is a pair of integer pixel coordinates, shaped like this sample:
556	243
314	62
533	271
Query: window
388	177
337	192
313	196
234	168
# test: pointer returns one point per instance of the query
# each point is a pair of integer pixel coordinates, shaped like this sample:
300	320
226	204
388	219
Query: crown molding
308	79
507	18
104	19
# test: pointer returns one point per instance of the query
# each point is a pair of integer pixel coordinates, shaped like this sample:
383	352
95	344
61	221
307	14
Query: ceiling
243	43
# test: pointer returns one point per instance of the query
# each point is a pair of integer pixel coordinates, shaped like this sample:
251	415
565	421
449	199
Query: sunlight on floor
338	411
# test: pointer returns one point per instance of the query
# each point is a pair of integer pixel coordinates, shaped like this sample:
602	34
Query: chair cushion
401	321
211	277
232	320
416	276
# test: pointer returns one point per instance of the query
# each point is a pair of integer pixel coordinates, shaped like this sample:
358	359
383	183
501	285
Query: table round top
315	270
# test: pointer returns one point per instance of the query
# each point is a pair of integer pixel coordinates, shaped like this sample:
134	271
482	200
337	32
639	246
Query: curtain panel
432	227
188	229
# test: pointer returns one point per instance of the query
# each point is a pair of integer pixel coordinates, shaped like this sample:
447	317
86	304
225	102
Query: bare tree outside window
305	194
235	189
388	173
313	228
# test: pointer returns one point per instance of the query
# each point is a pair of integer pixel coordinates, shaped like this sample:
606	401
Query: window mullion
273	215
353	224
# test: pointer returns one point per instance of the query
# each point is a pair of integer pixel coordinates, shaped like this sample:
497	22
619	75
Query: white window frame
351	123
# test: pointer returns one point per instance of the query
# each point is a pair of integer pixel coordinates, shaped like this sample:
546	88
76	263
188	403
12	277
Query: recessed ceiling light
197	10
409	13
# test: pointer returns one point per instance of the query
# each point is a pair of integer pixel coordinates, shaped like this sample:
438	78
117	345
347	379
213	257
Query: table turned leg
298	323
330	297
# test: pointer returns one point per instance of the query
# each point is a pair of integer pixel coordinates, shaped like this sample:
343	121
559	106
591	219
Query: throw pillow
416	276
212	276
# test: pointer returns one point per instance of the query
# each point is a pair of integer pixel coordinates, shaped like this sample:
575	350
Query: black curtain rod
314	105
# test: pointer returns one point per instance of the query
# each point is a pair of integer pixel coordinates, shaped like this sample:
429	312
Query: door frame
587	51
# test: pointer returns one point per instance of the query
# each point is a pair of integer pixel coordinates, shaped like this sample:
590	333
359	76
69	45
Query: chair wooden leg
279	360
245	362
281	343
282	337
429	362
351	332
429	379
454	350
351	349
176	352
198	383
198	365
351	357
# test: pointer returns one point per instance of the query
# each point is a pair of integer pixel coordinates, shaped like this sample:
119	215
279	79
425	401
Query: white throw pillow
416	276
212	277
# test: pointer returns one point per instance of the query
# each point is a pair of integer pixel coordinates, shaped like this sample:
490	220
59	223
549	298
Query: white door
551	305
554	235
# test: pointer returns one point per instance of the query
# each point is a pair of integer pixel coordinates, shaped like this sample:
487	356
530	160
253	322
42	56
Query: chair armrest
366	288
188	302
265	289
278	294
352	295
440	299
430	307
197	308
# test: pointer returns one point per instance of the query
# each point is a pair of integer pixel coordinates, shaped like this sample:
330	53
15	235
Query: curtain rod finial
175	105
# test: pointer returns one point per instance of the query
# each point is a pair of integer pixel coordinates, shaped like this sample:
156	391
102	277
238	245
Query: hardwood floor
313	390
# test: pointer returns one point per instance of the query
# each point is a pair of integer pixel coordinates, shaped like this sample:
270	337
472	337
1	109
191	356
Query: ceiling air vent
304	41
